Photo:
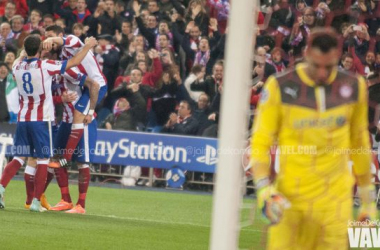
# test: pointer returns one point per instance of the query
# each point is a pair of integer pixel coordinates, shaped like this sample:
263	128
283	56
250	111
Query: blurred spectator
127	112
196	76
262	69
201	113
282	19
78	31
19	34
7	97
164	99
136	77
154	9
276	60
22	8
78	13
149	77
369	63
9	59
358	37
124	38
7	42
10	11
301	31
44	7
182	123
377	63
373	83
47	20
347	62
212	83
61	23
149	30
196	12
35	21
110	56
106	19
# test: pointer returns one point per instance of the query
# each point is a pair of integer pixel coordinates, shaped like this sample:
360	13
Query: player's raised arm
48	43
20	57
77	59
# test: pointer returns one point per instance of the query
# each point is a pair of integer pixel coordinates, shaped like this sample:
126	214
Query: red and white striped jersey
89	65
34	79
71	81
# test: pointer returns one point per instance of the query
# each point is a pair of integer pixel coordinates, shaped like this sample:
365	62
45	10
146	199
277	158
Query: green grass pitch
118	219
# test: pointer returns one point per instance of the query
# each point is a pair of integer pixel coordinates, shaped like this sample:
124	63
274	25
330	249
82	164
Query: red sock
72	143
29	183
83	182
40	178
63	183
50	176
10	171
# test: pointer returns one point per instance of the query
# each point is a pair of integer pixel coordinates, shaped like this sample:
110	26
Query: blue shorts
83	104
84	153
33	139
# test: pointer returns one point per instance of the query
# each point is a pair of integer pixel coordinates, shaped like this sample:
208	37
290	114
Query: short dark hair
166	35
32	44
36	32
188	105
349	55
48	16
126	21
196	68
3	64
56	29
136	68
323	39
38	11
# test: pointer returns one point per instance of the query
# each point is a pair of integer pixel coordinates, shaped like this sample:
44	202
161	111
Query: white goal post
233	124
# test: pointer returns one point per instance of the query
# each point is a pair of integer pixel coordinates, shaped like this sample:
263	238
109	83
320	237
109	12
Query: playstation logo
210	157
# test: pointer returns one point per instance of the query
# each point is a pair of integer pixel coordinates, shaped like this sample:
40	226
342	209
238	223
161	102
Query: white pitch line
143	220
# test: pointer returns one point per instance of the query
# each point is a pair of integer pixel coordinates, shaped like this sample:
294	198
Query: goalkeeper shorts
312	230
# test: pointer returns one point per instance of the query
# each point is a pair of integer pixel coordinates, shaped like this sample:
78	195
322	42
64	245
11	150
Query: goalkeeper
317	115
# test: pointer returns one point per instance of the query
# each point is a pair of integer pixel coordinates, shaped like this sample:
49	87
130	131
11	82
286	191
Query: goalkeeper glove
368	209
270	202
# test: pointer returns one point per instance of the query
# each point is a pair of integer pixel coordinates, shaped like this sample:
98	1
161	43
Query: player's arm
78	58
48	42
265	131
361	153
20	57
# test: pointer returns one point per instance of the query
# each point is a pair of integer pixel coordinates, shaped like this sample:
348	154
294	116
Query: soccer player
74	81
34	77
317	114
83	112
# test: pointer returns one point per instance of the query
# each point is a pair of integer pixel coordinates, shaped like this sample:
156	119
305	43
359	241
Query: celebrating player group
57	70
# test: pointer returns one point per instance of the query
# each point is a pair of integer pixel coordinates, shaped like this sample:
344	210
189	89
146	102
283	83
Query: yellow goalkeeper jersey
318	129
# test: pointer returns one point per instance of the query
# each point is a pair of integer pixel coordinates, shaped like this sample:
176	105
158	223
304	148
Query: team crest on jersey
264	96
346	91
340	121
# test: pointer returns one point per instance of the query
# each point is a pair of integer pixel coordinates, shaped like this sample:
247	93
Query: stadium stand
174	51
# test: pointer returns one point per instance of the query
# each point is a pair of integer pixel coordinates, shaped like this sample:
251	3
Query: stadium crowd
173	51
163	59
